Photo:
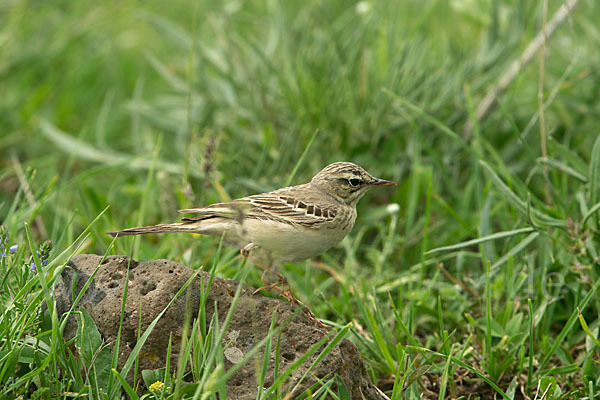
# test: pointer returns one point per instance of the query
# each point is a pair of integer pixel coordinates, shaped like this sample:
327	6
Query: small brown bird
287	225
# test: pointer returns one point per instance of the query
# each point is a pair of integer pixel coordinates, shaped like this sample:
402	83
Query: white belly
286	243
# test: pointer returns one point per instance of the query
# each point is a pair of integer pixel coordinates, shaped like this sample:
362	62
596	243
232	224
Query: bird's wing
280	205
230	210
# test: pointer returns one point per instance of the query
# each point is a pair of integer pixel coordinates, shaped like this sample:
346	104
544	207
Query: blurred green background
149	107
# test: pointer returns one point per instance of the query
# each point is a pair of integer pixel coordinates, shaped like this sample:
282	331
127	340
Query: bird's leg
286	292
269	284
289	296
245	251
282	287
281	280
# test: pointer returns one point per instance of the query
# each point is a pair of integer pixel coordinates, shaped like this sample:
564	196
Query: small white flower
363	7
393	208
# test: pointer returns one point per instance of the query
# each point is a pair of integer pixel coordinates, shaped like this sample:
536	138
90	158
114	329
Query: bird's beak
381	182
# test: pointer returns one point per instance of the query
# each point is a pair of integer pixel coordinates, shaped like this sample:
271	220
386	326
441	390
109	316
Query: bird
286	225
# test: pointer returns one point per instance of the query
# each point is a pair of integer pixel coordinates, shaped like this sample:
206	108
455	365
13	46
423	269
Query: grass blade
301	159
594	173
494	236
586	329
563	168
132	394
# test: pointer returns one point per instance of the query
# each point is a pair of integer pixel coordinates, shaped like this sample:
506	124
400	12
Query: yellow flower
158	385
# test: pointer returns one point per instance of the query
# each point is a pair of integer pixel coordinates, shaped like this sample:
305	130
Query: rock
153	284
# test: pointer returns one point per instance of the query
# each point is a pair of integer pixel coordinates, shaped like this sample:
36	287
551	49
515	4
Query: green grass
483	276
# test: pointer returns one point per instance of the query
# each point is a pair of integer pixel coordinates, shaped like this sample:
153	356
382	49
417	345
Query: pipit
287	225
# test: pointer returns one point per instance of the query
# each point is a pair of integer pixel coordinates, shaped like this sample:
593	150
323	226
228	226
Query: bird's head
346	181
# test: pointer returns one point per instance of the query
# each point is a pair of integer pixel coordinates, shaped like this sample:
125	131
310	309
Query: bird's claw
289	296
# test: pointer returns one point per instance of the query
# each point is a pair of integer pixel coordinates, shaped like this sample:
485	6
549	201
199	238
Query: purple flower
11	250
4	240
43	253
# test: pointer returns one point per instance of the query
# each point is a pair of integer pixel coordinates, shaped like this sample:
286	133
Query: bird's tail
162	228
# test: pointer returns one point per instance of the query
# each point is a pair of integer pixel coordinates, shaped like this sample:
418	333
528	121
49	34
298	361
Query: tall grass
479	278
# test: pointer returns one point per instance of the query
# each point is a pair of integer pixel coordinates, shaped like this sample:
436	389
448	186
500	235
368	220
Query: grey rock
153	284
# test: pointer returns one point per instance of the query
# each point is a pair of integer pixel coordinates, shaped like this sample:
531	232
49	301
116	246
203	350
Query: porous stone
153	284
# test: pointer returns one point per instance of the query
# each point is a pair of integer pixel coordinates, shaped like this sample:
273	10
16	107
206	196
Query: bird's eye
354	182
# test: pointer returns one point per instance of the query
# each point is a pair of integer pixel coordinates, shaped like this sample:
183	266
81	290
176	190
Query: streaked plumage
286	225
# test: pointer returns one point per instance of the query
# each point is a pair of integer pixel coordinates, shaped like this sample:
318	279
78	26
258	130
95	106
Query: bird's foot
270	286
281	280
287	293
